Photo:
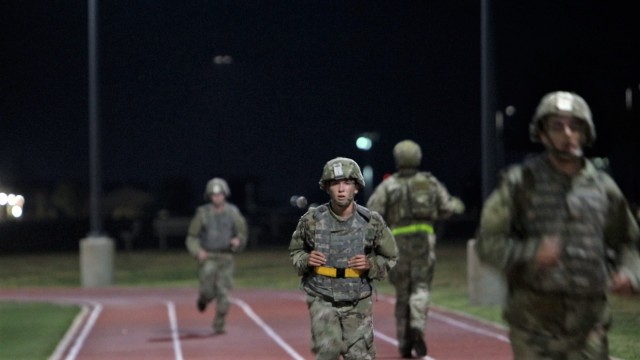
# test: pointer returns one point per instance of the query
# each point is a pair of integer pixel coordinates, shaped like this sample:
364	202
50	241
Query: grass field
269	268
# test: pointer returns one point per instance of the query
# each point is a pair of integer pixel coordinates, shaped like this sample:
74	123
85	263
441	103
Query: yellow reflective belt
410	229
335	272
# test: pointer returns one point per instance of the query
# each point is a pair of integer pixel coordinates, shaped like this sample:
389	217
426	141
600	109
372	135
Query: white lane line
272	334
394	342
173	320
93	317
63	345
460	324
471	328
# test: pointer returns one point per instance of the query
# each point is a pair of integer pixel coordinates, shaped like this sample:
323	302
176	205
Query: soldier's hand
235	242
458	205
316	258
359	262
621	284
202	255
548	252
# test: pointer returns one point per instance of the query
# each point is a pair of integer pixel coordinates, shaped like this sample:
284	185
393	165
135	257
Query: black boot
418	342
201	304
405	352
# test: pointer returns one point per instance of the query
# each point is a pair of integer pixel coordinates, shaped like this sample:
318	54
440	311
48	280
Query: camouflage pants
341	329
411	278
556	327
216	281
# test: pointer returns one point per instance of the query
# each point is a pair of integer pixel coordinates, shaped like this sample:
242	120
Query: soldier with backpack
411	201
563	235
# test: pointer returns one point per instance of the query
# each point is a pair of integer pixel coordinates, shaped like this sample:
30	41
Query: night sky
307	77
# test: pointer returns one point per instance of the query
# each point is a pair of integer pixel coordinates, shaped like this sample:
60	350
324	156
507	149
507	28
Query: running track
163	324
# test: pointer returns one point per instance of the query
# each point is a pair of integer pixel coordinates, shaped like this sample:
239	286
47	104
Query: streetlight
364	143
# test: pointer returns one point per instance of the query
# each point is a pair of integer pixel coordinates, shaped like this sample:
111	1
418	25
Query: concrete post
487	285
96	261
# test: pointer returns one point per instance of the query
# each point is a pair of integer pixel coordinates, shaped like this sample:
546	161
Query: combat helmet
217	185
407	154
562	103
341	168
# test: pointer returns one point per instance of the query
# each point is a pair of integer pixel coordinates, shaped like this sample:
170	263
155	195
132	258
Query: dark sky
307	77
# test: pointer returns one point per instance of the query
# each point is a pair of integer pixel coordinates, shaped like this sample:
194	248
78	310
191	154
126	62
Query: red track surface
159	324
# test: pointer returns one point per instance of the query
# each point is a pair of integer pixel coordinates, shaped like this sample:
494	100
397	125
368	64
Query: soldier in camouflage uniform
338	249
216	231
411	201
562	233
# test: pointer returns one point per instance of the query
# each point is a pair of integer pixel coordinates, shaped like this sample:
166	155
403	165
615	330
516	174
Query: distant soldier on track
217	230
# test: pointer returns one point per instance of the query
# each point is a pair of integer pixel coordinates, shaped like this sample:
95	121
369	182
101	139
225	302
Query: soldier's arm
385	252
299	246
193	234
378	199
241	230
447	204
623	235
496	243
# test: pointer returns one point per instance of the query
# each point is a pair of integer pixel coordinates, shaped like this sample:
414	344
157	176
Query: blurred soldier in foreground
217	230
411	201
338	249
563	235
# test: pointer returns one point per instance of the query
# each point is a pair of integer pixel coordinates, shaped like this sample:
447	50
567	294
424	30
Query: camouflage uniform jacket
212	231
587	211
364	232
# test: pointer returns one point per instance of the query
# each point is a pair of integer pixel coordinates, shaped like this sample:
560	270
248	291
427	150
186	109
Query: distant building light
16	211
510	110
12	204
223	59
367	173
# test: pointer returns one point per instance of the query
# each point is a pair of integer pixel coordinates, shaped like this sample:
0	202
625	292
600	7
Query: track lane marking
470	328
173	320
460	324
93	317
266	328
69	335
394	342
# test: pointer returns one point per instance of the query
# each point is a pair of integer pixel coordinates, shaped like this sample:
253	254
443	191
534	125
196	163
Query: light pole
96	250
487	101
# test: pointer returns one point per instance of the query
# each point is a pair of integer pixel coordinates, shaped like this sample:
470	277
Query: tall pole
487	286
94	146
96	250
487	97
